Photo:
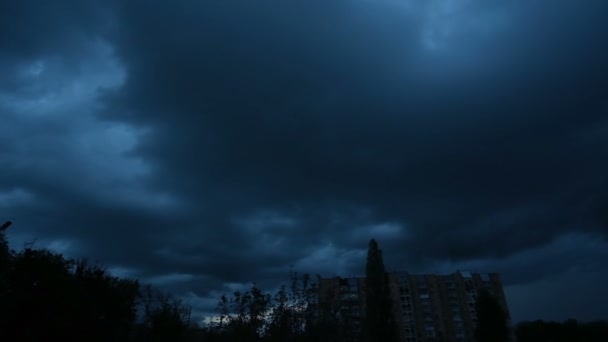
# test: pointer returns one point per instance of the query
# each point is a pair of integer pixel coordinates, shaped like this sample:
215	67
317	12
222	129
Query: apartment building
427	307
347	298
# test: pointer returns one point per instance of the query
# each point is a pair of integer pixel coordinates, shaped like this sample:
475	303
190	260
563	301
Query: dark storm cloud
30	30
199	143
322	111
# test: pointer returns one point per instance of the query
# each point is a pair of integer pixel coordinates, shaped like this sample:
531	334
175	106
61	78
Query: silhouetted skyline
203	145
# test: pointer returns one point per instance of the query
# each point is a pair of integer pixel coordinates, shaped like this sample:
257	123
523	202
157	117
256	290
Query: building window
430	330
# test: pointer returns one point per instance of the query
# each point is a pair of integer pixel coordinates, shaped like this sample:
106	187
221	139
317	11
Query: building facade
427	307
346	299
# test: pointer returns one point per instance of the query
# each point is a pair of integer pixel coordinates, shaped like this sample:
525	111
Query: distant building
428	307
347	298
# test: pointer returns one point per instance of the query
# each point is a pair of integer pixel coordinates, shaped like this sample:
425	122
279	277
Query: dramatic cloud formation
202	145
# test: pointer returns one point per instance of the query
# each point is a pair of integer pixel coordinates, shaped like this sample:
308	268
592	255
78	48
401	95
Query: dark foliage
4	259
493	324
165	318
379	323
45	296
48	296
291	314
570	330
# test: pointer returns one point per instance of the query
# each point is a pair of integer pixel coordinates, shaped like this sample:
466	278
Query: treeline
303	312
292	313
567	331
46	296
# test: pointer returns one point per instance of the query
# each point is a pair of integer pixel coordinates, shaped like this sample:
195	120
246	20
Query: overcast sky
203	145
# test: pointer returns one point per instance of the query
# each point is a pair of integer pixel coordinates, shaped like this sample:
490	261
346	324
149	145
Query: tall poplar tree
380	324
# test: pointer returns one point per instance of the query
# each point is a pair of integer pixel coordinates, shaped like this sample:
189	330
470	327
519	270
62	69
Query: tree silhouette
379	320
242	316
4	263
106	304
293	313
492	325
4	250
35	305
570	330
47	296
165	318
